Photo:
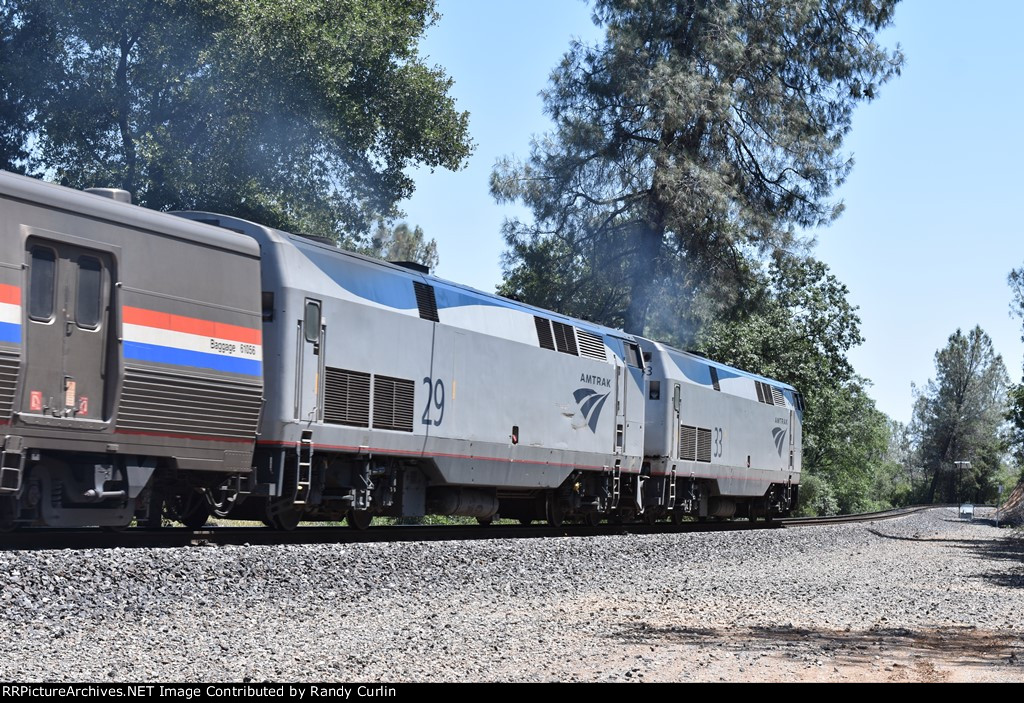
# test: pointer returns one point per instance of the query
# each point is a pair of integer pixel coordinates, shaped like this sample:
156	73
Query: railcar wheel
155	515
359	519
190	509
8	513
485	521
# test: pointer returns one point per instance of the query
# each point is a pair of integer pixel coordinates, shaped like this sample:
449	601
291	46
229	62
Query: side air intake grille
687	443
426	301
565	338
9	363
591	345
777	396
347	398
393	403
158	402
544	333
703	444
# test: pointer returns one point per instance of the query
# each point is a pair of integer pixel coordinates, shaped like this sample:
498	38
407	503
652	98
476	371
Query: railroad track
138	538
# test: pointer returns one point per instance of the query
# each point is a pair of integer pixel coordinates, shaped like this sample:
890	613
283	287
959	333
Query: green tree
958	416
25	42
300	115
698	136
1015	395
402	243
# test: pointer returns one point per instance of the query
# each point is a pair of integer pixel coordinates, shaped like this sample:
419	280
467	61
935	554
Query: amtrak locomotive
172	365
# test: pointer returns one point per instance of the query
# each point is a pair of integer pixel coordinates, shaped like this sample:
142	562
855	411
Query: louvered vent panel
565	338
426	301
687	442
161	402
591	345
347	398
393	403
544	333
714	378
703	444
9	364
777	396
760	393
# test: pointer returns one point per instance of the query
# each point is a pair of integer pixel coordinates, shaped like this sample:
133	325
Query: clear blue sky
932	224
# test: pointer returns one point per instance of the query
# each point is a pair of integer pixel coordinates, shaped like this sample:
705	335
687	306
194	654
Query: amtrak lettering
595	380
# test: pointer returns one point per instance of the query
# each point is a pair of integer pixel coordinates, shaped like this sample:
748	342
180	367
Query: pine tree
697	137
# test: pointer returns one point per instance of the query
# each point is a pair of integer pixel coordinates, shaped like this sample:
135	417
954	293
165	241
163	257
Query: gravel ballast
925	597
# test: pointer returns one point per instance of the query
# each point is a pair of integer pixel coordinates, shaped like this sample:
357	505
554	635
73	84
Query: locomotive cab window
89	303
311	324
633	356
42	276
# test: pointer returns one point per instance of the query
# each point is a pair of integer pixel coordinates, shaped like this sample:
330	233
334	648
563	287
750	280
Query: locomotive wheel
677	517
592	518
282	515
554	512
359	519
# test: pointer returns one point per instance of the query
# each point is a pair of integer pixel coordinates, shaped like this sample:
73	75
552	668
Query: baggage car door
67	332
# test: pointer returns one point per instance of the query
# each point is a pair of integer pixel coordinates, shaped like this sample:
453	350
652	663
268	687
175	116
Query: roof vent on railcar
121	196
317	238
412	266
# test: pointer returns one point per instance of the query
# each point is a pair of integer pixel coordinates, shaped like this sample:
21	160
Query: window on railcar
89	303
42	277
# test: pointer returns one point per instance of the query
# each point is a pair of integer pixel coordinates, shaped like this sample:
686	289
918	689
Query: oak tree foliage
303	115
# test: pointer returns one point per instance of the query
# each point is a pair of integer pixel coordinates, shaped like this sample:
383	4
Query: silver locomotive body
729	441
391	392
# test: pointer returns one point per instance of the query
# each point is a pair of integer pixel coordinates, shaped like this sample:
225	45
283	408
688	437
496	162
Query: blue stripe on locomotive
393	288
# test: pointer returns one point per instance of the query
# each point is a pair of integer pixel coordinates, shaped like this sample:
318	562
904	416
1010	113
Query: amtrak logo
780	438
590	402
